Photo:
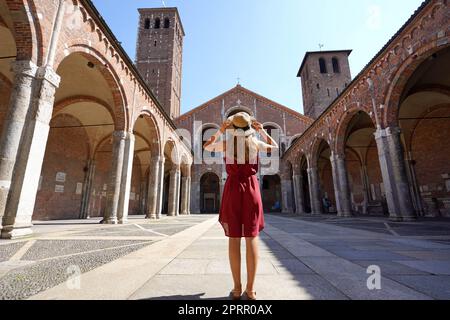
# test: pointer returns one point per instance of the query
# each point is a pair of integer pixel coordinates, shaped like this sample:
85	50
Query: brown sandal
235	294
246	296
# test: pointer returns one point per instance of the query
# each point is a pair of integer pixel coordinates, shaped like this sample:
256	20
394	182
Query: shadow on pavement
187	297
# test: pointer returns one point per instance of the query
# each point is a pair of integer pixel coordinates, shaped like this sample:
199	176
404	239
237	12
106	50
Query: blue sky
263	41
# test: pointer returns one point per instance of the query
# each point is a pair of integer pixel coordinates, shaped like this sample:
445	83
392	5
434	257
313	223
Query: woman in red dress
241	212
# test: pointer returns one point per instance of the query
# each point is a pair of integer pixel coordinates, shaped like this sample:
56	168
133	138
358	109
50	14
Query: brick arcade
86	132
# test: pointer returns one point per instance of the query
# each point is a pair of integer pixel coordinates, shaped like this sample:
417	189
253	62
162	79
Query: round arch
209	192
97	61
342	129
153	131
236	109
26	29
271	193
395	92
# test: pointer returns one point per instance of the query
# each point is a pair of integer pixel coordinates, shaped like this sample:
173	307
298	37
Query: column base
409	219
345	215
123	221
151	217
11	233
109	221
395	219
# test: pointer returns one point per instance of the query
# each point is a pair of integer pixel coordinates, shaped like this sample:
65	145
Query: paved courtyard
301	258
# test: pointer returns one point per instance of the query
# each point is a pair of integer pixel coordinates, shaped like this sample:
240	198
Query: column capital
47	73
121	134
24	67
311	169
336	156
156	159
389	131
393	131
175	169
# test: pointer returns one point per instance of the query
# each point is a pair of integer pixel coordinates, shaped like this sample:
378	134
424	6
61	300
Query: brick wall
66	154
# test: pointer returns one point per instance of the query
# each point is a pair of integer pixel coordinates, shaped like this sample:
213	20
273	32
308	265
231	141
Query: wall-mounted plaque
79	189
60	177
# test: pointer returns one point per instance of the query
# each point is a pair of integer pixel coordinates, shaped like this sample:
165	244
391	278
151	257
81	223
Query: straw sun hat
242	122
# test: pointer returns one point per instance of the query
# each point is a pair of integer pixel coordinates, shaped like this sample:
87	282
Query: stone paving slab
427	255
299	260
431	266
435	286
369	255
391	268
277	287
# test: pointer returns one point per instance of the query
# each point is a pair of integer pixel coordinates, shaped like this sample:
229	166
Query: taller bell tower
159	55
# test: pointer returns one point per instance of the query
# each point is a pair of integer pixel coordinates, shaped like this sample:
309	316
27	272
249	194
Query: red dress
241	210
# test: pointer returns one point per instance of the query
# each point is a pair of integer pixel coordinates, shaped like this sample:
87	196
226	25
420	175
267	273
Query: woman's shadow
187	297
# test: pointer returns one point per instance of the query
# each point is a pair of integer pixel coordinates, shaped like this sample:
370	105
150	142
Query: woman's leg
252	263
234	251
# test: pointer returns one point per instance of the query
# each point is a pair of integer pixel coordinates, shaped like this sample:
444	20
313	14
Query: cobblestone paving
33	265
26	281
9	249
43	249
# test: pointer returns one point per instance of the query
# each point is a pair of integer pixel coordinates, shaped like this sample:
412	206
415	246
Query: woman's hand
226	125
257	126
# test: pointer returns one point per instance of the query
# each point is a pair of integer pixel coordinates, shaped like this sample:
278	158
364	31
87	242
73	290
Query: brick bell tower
159	55
324	74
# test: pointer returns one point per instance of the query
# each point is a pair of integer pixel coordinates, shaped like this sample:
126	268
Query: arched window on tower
147	23
166	23
323	65
157	23
336	66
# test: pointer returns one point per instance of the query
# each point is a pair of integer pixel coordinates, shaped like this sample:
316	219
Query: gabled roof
241	89
308	53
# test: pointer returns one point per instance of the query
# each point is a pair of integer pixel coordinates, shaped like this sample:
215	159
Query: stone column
160	179
195	196
152	189
19	106
143	196
314	191
178	193
366	185
31	123
298	193
412	177
125	184
341	186
173	192
87	190
394	175
286	196
185	186
188	196
183	209
114	189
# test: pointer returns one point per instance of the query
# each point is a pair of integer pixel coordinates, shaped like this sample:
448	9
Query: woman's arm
269	143
211	145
